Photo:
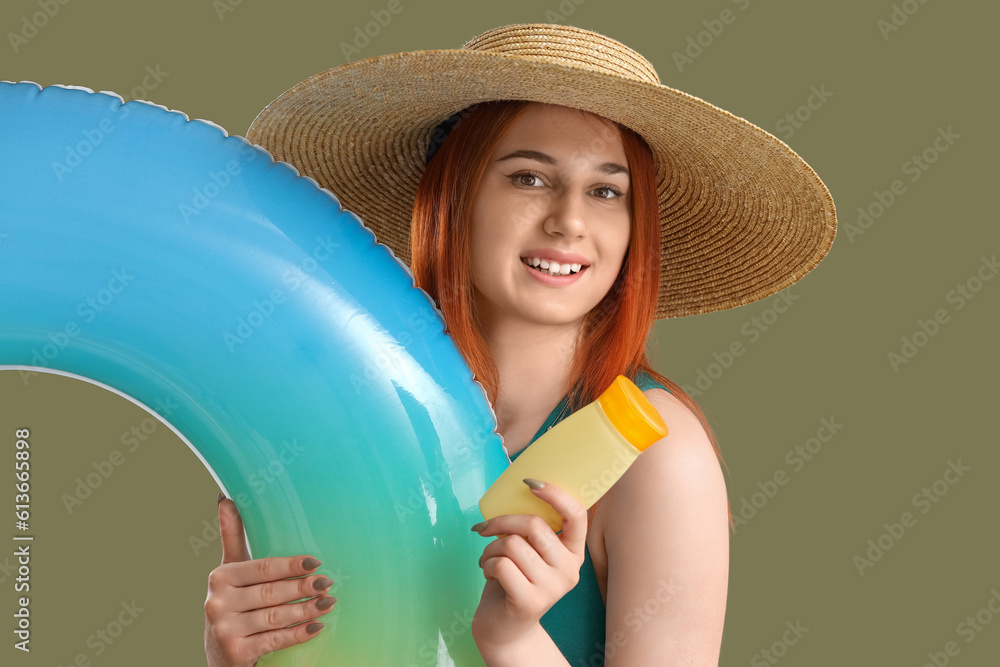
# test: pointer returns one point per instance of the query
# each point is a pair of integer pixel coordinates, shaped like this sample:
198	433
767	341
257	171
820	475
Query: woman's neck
533	363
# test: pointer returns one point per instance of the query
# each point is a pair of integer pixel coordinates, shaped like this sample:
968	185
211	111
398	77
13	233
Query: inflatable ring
160	257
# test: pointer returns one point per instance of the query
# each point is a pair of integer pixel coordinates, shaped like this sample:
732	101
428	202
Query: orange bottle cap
632	413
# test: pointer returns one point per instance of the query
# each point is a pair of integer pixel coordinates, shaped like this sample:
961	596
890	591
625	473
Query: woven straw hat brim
742	216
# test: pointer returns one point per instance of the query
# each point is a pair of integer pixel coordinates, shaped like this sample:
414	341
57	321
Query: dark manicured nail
221	496
310	563
322	583
479	526
313	628
534	483
325	603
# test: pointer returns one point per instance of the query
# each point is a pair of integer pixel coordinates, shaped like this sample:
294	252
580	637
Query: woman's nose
565	215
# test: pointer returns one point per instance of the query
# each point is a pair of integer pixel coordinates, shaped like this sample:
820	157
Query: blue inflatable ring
158	256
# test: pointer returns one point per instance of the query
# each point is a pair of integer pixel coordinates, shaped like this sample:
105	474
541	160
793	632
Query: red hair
614	334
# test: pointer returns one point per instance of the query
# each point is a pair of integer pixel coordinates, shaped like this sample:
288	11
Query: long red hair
614	336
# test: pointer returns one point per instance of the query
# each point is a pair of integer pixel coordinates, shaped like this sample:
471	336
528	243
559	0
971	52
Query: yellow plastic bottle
585	454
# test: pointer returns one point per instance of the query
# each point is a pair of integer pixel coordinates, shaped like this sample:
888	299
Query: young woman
554	200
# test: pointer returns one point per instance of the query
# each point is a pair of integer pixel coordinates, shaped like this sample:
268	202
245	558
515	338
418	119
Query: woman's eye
607	192
528	180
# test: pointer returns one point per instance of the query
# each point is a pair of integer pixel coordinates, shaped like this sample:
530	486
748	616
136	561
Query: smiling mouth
553	268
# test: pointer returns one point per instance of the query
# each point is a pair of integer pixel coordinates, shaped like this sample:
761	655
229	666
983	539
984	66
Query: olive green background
824	357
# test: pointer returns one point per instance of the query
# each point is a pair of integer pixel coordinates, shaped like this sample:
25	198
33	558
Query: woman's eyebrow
531	155
610	168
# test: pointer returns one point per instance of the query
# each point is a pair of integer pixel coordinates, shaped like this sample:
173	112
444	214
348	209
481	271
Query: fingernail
313	628
310	563
479	526
322	583
325	603
221	496
534	483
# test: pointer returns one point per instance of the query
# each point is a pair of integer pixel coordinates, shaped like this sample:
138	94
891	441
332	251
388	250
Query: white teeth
553	268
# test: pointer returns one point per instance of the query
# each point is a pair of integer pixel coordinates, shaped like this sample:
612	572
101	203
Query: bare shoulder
686	449
681	467
666	535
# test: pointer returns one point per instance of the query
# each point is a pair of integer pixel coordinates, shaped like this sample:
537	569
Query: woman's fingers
274	640
264	570
573	513
279	592
535	566
532	585
537	532
233	650
511	578
529	542
251	620
250	609
234	548
284	615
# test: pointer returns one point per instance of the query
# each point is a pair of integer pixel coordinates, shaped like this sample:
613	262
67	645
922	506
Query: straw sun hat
742	216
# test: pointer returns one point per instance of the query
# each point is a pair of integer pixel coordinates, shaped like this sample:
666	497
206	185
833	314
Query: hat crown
567	46
741	215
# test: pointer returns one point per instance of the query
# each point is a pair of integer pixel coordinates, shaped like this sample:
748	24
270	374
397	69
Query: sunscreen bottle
585	454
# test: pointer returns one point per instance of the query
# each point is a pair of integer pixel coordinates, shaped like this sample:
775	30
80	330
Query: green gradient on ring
183	268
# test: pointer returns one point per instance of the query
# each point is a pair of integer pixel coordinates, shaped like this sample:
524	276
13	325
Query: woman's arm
526	573
667	540
535	648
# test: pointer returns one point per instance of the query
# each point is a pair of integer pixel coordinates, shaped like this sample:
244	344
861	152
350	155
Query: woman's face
556	189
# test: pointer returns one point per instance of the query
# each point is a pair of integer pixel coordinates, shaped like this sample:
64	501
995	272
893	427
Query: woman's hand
529	570
246	614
